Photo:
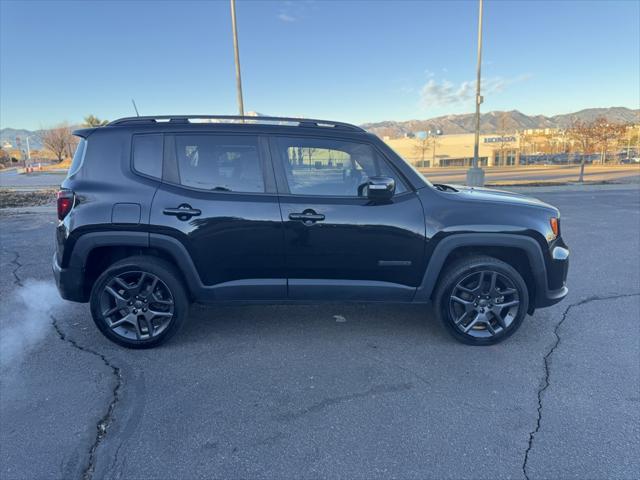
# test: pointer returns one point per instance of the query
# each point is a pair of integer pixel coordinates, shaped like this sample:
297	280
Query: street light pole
28	150
434	151
237	58
475	175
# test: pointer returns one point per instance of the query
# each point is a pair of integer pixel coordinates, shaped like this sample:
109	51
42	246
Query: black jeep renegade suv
159	212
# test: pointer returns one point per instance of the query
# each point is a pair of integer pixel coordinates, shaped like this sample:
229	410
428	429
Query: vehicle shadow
331	322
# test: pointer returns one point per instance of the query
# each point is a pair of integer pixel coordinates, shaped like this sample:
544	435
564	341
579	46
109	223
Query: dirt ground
10	198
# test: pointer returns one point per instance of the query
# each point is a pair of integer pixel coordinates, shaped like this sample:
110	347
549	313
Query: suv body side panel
103	183
360	251
235	237
235	243
356	241
250	290
454	223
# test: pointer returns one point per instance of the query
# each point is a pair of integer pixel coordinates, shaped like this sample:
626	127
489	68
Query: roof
238	120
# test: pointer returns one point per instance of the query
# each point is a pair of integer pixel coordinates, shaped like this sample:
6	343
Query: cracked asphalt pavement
333	391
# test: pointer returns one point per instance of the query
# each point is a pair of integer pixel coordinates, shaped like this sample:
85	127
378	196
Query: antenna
134	107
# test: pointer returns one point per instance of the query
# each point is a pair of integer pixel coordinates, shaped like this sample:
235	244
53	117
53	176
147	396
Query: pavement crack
16	262
547	362
327	402
105	421
393	364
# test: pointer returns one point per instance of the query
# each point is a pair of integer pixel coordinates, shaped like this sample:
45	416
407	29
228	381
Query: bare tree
550	139
433	143
583	135
421	147
605	135
58	140
525	143
5	158
503	130
310	153
71	146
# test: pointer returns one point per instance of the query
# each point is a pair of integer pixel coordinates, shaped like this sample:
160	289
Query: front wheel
139	302
481	300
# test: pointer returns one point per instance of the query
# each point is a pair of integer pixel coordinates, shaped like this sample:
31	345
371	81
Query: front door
338	244
218	199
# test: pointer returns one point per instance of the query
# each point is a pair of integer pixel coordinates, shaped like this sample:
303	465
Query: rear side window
224	163
78	157
147	154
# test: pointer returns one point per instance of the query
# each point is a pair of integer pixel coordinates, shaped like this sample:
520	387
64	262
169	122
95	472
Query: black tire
495	323
154	312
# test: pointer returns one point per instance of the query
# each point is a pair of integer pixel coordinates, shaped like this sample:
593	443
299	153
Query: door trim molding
348	290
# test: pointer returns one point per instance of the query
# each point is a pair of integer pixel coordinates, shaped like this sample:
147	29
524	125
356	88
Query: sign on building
499	139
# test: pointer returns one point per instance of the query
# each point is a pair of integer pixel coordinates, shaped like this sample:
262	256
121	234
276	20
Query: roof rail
301	122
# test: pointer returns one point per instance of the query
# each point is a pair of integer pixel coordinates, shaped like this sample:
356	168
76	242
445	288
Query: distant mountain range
8	135
490	122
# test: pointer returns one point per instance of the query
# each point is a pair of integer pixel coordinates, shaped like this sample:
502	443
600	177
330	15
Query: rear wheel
481	300
139	302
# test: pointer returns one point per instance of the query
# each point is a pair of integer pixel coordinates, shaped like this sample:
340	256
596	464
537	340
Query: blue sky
354	61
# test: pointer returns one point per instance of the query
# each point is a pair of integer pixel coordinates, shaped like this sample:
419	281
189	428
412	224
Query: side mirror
380	188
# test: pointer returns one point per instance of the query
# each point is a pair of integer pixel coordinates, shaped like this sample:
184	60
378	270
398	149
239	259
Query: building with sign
457	150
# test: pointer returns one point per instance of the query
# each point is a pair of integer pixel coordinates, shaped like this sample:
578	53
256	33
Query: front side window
332	167
147	154
223	163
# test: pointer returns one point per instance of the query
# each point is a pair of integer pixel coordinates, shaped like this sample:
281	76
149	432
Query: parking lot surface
294	392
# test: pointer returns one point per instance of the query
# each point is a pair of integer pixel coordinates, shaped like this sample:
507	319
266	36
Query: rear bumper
557	279
70	282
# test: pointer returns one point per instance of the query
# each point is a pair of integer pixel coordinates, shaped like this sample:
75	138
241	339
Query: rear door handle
183	212
308	217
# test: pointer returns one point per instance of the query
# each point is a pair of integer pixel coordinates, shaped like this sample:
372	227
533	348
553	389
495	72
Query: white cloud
285	17
436	93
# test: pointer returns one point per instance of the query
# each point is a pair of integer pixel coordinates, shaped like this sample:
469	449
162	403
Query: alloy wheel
136	305
483	304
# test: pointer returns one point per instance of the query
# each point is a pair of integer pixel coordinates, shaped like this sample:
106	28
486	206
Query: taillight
65	203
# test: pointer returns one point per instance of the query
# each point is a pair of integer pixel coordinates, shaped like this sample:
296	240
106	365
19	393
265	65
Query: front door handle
307	217
183	212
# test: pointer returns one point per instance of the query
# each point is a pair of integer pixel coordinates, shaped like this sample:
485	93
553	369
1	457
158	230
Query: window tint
332	167
147	154
216	162
78	157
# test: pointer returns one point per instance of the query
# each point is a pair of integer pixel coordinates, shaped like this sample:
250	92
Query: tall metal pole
475	175
237	58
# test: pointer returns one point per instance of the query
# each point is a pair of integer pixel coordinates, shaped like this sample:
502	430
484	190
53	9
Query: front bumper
555	288
70	282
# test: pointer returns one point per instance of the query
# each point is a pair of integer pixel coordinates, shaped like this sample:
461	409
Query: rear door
218	199
338	244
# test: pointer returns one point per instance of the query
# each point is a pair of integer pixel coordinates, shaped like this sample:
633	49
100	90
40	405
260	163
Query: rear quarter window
78	157
147	154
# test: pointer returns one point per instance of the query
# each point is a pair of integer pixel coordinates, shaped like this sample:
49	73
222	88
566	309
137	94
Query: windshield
413	167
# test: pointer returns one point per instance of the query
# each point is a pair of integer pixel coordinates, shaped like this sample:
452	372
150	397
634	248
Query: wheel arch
521	252
96	251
